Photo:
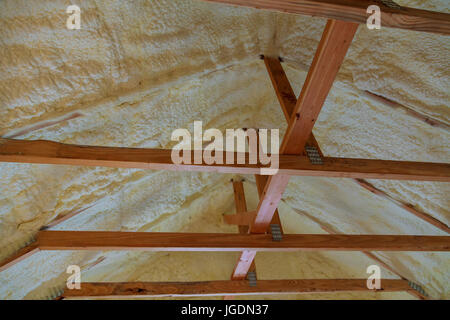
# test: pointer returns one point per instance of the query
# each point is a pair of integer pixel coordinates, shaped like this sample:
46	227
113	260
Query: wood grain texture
281	85
287	100
167	241
355	11
241	206
336	39
246	260
245	264
271	196
20	255
49	152
228	287
261	182
285	94
242	219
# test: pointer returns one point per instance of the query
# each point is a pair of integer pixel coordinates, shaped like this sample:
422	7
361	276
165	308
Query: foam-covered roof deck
301	114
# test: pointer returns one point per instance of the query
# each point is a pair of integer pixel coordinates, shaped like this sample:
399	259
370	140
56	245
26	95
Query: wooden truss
259	230
221	288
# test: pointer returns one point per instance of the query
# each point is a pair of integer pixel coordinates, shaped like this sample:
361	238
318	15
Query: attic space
136	71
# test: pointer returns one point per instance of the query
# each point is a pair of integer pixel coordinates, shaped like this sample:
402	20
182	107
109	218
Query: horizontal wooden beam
166	241
227	287
355	11
49	152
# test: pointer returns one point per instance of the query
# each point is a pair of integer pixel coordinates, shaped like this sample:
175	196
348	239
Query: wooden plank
246	258
272	194
246	261
167	241
330	54
285	93
336	39
283	89
20	255
227	287
287	100
241	205
261	182
48	152
371	169
241	220
355	11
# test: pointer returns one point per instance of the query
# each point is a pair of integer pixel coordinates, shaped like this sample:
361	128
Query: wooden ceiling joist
355	11
49	152
228	287
168	241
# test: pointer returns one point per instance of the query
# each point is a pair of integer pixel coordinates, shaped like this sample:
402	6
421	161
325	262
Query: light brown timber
355	11
228	287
